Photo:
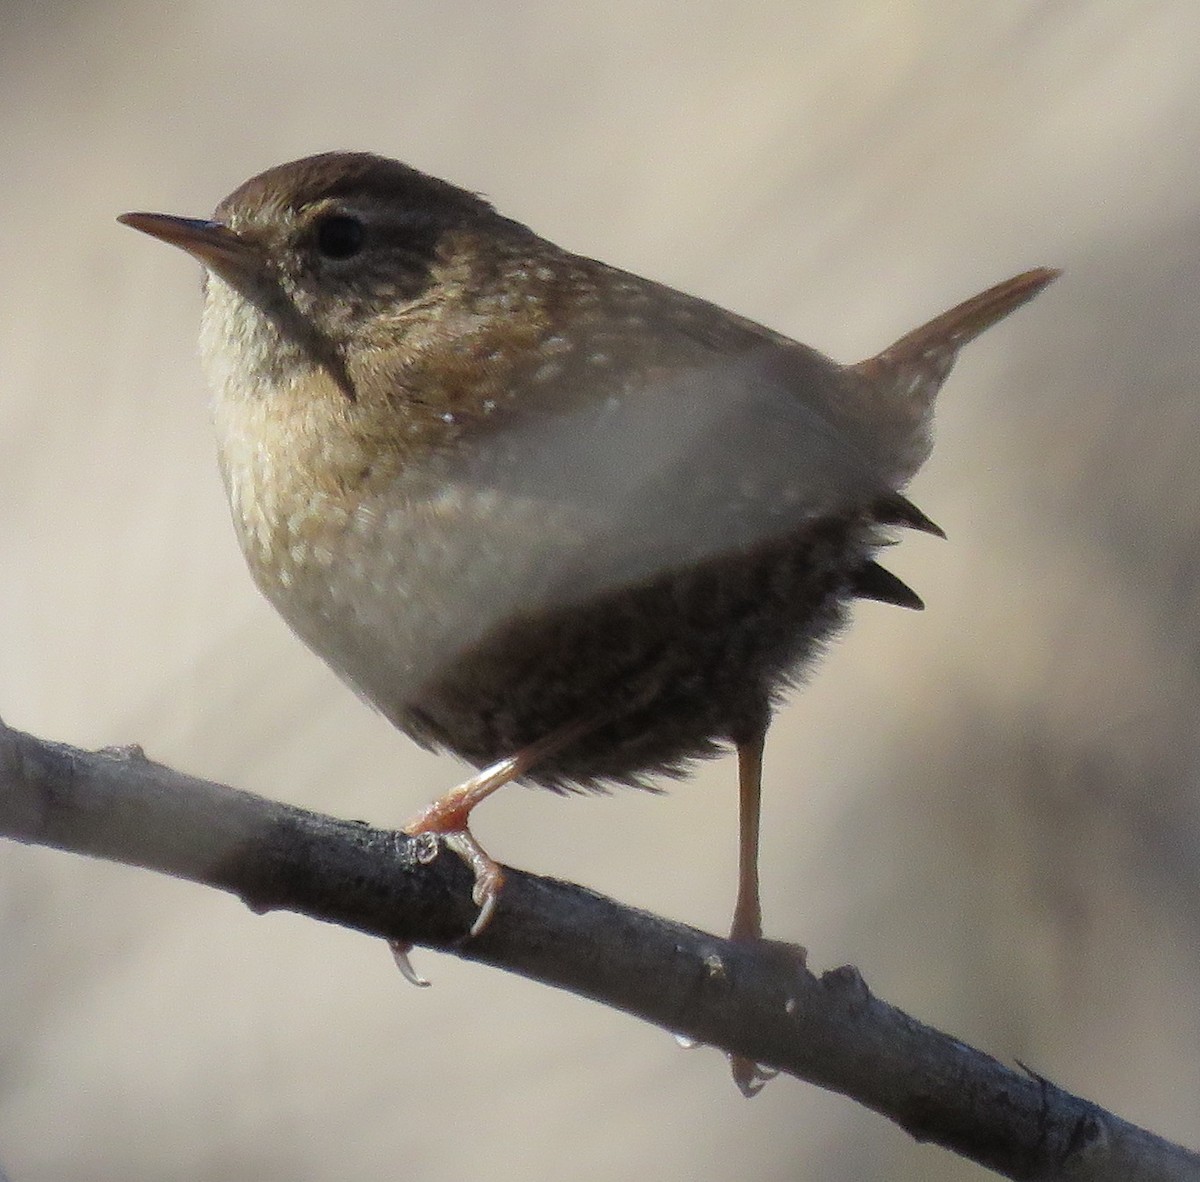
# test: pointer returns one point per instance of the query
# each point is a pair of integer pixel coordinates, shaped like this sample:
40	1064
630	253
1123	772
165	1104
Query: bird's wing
697	445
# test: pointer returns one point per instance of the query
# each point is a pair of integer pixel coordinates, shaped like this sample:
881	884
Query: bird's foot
448	817
489	878
749	1076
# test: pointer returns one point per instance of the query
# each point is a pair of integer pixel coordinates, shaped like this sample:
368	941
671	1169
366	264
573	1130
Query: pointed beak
218	247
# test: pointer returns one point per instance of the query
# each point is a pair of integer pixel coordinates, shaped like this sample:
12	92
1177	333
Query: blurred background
991	808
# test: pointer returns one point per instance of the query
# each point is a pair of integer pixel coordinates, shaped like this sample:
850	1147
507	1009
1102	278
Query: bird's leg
449	816
747	912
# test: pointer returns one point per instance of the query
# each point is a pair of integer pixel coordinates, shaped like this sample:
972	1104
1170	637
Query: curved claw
749	1076
484	917
400	956
489	878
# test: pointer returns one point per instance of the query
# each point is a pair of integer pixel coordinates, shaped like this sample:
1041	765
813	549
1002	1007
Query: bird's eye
340	236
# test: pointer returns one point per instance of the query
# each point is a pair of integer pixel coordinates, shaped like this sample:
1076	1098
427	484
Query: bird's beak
218	247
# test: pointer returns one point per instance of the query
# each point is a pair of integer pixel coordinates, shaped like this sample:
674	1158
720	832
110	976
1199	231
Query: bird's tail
897	387
922	358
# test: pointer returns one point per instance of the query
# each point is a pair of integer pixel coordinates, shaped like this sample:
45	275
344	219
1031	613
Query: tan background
991	808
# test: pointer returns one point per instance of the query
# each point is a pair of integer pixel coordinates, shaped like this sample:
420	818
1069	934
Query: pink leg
747	912
449	816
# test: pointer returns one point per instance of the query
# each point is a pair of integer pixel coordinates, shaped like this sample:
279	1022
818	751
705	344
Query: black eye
340	236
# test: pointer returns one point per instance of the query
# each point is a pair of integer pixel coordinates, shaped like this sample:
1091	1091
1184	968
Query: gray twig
756	1001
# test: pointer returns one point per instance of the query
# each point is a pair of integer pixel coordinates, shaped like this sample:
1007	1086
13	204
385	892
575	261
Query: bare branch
759	1001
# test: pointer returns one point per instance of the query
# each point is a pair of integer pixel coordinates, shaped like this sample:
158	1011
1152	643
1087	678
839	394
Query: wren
576	527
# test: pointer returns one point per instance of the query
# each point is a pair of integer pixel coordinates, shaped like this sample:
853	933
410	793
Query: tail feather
872	581
921	359
899	510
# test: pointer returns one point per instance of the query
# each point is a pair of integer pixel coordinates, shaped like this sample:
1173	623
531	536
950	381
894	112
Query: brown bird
574	526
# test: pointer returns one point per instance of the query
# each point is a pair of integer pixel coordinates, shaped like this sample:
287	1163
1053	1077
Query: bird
576	527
